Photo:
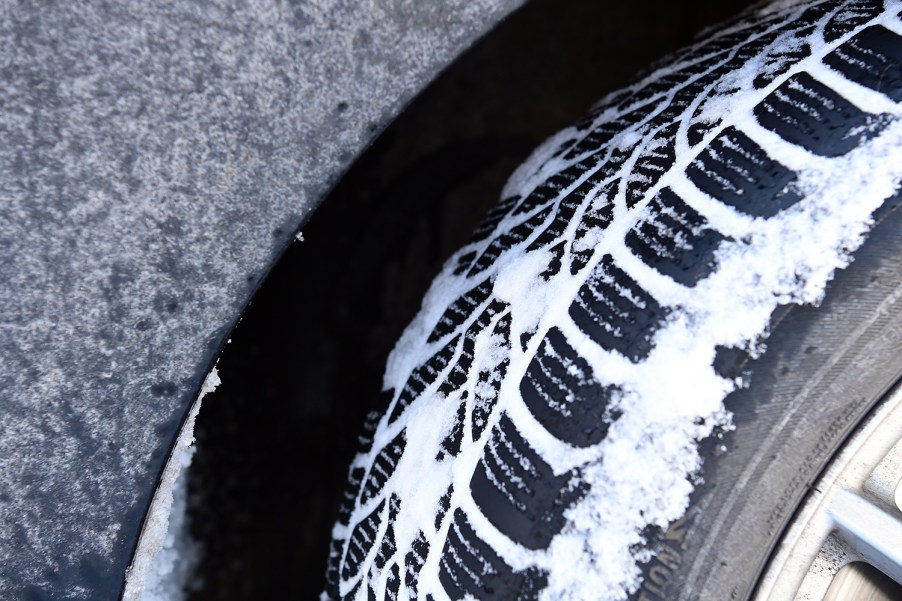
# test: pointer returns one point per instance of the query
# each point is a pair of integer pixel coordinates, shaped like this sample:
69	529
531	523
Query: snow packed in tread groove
544	418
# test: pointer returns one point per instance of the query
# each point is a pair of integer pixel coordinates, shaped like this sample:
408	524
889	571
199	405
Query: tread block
556	262
742	44
471	567
413	562
458	374
613	164
355	478
518	491
688	90
494	217
717	57
422	377
506	240
387	547
563	216
485	318
735	170
758	45
393	583
362	539
779	62
602	133
451	443
726	42
488	385
464	262
873	58
561	393
443	505
352	596
675	240
526	337
648	97
458	311
807	113
587	121
383	467
333	567
549	190
852	15
684	97
653	163
699	129
594	220
371	422
818	11
700	66
730	362
615	312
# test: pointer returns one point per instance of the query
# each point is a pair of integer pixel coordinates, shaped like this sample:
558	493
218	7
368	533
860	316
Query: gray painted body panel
154	161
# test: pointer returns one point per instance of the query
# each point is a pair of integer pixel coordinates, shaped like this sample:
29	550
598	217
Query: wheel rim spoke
845	543
872	531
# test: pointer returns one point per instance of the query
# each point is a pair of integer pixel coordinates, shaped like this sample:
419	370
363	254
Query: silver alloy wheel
845	542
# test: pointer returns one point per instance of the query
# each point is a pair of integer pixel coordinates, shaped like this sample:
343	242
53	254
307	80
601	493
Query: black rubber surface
733	166
808	113
675	240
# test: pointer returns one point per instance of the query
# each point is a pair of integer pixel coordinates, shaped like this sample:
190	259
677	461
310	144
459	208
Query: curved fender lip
155	163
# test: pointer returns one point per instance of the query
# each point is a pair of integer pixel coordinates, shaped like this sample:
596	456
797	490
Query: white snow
166	553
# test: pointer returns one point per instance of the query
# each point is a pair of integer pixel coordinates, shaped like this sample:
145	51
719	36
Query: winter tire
625	384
